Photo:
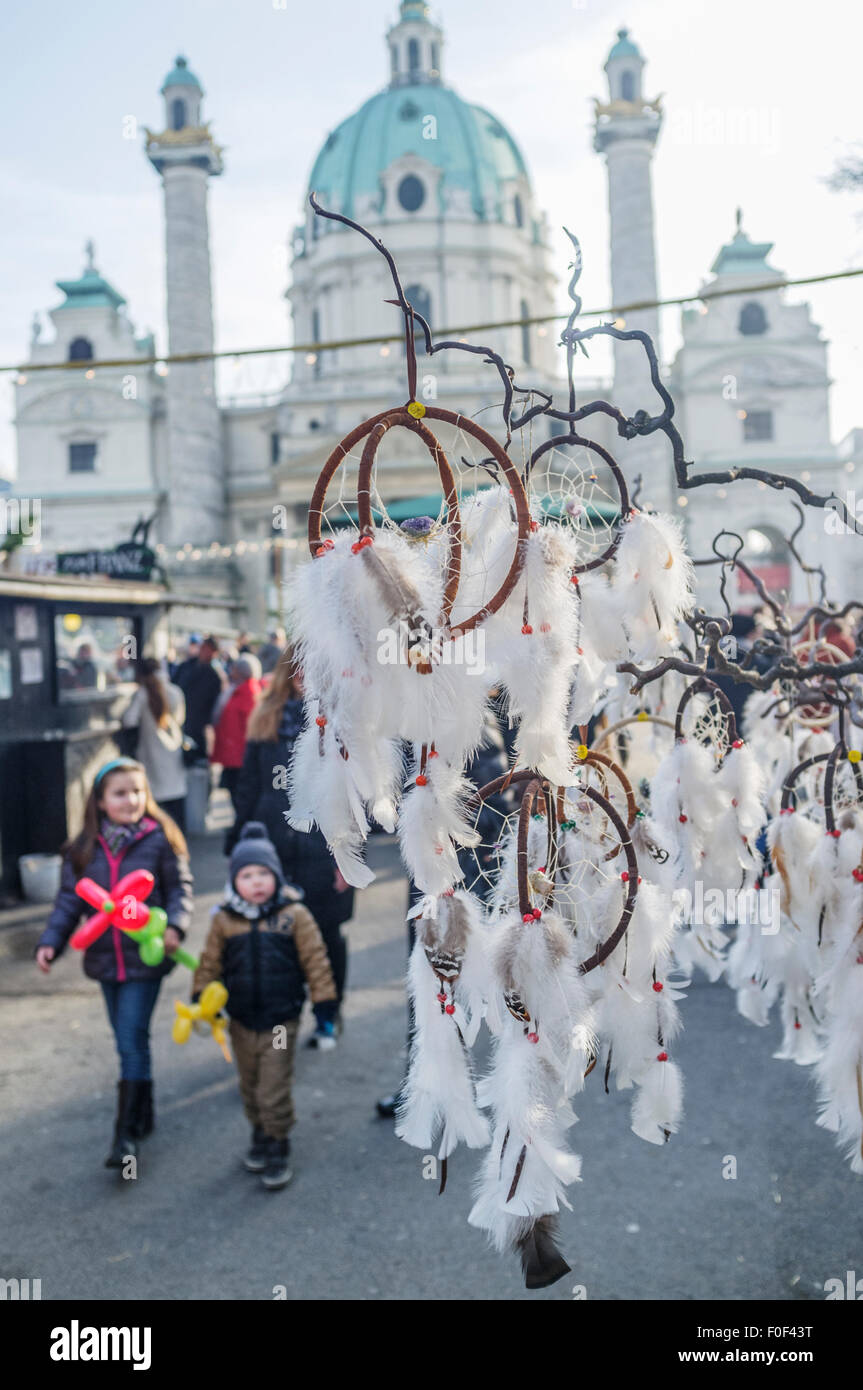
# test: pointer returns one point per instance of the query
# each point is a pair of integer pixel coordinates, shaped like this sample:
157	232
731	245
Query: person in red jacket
229	746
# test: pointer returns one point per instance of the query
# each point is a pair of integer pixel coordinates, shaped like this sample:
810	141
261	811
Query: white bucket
40	876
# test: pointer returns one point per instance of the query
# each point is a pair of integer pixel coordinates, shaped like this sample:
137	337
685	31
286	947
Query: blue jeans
130	1005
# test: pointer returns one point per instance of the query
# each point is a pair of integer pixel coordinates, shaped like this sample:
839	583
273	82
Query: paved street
359	1221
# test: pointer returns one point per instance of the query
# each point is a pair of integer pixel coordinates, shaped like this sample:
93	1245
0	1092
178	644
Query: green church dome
624	48
473	150
182	76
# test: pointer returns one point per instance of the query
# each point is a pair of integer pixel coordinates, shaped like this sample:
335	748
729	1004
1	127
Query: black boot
277	1173
124	1142
387	1106
144	1118
259	1152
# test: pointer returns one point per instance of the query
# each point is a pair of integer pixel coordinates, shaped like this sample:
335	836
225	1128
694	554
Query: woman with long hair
124	829
232	717
260	796
157	711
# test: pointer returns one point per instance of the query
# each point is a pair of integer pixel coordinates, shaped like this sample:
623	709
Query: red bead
834	833
625	876
657	985
860	959
734	801
441	998
798	1025
355	548
321	720
365	542
580	651
683	819
450	1009
421	780
534	526
858	874
533	1037
573	579
321	550
639	878
662	1056
738	743
434	753
527	629
536	914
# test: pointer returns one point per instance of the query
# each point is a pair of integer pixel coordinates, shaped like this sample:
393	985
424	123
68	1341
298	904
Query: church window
420	298
414	57
411	193
518	211
178	114
753	319
82	458
80	350
275	447
435	59
394	51
524	312
758	426
627	86
409	111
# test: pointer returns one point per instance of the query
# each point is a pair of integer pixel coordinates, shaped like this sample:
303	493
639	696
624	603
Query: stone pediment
769	371
70	406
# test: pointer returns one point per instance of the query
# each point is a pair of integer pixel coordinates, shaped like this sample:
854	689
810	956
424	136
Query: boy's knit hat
255	847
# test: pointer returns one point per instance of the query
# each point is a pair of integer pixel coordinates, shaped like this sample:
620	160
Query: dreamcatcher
809	962
549	908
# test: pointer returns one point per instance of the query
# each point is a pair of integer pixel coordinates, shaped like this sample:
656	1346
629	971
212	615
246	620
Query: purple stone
417	528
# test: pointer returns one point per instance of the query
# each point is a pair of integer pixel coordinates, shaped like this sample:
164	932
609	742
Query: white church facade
445	185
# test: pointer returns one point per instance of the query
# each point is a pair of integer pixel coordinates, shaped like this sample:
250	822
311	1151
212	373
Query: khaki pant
265	1063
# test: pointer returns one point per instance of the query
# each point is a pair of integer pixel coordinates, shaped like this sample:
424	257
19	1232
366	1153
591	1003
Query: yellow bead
642	715
854	755
582	751
416	409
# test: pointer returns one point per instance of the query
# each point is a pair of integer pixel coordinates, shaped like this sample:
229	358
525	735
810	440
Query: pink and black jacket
114	956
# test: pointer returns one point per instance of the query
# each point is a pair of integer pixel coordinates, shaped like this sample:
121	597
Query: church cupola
182	92
415	45
623	68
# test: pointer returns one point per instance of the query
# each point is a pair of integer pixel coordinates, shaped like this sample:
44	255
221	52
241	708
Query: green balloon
152	951
184	958
158	921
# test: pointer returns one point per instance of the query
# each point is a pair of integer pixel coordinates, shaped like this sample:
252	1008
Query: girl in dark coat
261	795
123	830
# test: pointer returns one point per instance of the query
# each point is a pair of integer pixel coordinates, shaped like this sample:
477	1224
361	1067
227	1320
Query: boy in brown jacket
265	947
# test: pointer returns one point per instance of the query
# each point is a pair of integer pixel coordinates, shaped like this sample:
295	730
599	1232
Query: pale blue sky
760	98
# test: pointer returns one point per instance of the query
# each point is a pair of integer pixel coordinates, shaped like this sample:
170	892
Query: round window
411	193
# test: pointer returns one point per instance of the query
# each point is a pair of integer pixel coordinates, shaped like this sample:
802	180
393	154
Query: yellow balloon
182	1029
213	998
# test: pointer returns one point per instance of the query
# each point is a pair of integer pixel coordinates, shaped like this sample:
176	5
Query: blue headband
115	765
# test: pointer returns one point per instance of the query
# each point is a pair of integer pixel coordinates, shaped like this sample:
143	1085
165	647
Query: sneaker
256	1159
277	1173
324	1038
